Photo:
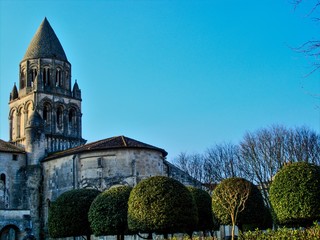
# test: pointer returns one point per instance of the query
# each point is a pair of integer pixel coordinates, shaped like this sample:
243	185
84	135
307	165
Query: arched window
46	113
33	75
46	76
29	111
67	75
3	179
21	122
72	117
22	78
59	117
10	232
18	125
13	125
58	77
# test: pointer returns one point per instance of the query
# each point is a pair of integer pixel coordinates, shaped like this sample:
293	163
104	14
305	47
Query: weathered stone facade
46	154
45	89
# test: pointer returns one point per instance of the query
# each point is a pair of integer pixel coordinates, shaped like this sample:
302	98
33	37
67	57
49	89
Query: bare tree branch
310	48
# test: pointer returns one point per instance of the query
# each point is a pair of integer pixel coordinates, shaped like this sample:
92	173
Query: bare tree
191	164
311	48
267	150
222	161
258	157
303	145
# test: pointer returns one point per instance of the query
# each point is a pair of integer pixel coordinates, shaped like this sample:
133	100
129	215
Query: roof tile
9	147
108	143
45	44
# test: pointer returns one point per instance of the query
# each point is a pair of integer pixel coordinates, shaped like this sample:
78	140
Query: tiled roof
45	44
9	147
119	142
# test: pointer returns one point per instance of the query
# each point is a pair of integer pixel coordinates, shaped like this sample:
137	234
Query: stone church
46	154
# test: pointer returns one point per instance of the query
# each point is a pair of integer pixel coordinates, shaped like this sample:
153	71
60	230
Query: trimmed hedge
204	206
254	212
295	194
108	212
161	205
312	233
68	215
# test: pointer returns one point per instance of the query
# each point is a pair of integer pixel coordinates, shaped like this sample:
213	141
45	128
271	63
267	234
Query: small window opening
100	162
46	76
45	113
59	117
72	117
58	78
22	78
3	178
14	157
33	76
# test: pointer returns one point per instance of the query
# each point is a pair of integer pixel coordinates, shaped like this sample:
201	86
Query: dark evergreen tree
161	205
204	205
108	212
68	215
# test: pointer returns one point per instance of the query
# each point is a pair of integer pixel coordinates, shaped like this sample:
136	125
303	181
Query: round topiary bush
229	193
68	215
161	205
204	206
295	194
108	212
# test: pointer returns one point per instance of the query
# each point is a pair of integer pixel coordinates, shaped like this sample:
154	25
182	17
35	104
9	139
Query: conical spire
14	93
75	86
76	92
45	44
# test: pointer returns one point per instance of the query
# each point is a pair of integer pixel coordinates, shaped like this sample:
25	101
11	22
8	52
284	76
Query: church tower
45	110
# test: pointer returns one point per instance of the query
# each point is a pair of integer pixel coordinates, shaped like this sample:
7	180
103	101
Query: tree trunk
88	236
233	226
232	231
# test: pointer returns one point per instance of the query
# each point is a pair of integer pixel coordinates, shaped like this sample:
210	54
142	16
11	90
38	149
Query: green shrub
68	215
161	205
312	233
204	206
295	194
265	223
108	212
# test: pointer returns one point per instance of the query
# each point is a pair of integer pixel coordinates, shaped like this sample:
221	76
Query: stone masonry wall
9	167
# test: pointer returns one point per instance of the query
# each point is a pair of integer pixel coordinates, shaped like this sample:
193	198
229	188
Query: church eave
9	147
121	143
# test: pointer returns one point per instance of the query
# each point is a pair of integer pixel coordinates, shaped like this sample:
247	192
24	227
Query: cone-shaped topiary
68	215
295	194
161	205
108	212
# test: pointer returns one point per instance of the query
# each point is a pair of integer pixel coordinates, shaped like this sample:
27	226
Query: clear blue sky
180	75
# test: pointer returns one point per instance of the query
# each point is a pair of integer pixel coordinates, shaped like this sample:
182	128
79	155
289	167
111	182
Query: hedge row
312	233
